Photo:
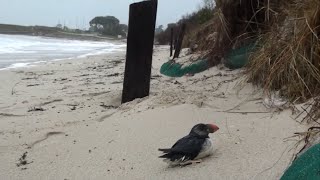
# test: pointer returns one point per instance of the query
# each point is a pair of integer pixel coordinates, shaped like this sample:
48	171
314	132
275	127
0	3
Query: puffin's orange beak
213	128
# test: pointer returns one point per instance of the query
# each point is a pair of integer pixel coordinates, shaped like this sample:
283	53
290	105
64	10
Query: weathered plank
180	40
171	42
142	20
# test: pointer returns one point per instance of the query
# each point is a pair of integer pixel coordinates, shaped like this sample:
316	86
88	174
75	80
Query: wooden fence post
171	42
140	39
180	40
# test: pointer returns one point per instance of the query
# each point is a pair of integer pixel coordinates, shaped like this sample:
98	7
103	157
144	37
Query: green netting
237	58
173	69
306	167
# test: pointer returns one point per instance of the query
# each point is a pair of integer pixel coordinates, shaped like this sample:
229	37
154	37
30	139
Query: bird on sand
191	148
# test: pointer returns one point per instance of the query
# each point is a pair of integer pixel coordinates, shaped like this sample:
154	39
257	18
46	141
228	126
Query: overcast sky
77	13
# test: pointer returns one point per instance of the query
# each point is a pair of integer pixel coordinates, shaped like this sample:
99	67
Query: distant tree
171	25
91	29
99	27
164	36
159	29
108	25
193	21
59	26
123	29
78	31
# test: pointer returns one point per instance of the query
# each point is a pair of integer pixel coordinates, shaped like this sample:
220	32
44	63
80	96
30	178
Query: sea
22	51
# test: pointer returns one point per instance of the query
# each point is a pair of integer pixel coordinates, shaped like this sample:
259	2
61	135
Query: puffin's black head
204	129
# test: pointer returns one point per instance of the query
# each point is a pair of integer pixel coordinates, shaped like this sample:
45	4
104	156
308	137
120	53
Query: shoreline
35	58
53	32
68	36
41	63
68	117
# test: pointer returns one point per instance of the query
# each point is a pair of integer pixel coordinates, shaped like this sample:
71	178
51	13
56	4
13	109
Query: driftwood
49	102
10	115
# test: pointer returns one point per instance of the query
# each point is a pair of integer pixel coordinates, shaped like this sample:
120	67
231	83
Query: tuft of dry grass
287	31
289	58
238	22
307	138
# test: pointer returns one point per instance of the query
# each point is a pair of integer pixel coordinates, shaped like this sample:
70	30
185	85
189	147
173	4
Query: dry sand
67	116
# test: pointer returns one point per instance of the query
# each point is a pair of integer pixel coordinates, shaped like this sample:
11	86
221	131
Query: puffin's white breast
207	149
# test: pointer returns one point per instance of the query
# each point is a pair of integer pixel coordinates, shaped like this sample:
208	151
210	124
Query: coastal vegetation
287	55
108	25
101	27
193	21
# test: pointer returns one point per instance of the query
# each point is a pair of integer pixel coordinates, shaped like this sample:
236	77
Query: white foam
17	65
30	49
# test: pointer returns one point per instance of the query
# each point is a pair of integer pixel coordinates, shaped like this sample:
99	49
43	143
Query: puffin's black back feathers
186	148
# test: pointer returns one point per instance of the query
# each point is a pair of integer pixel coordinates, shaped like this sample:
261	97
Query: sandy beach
64	120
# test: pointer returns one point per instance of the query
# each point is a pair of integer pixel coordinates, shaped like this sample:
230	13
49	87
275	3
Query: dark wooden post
179	41
142	21
175	42
171	42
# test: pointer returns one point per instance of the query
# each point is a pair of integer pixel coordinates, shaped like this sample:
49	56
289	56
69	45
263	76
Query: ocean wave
25	50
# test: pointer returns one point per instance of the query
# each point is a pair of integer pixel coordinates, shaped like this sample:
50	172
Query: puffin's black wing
186	148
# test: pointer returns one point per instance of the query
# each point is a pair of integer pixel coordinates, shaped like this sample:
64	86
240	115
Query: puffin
191	148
